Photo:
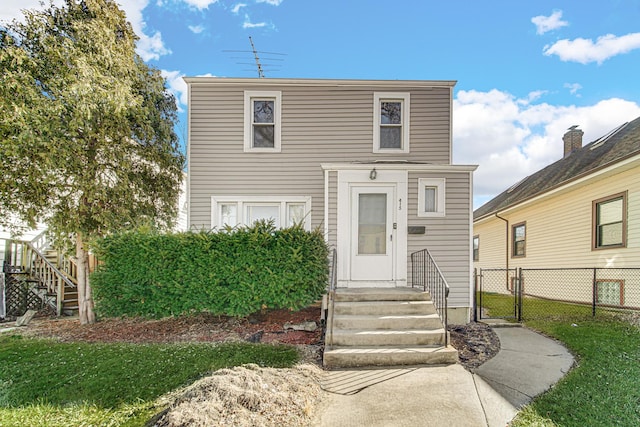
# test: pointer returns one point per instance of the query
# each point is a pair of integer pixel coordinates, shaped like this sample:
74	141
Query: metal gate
498	294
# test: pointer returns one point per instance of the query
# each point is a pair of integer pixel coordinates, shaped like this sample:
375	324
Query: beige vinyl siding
319	124
446	238
492	243
559	228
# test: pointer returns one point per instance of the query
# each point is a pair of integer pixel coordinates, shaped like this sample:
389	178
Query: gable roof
621	143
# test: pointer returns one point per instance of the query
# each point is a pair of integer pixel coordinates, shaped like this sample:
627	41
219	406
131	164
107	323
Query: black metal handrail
331	292
426	274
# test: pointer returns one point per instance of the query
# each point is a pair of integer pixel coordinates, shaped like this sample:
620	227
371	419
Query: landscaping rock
305	326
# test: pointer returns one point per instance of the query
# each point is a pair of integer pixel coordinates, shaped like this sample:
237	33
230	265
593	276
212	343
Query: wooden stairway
70	305
384	327
43	273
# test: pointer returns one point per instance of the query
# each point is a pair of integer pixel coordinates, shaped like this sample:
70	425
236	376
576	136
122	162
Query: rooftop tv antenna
255	55
269	56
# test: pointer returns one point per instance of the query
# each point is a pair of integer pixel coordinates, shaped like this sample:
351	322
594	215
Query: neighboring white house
582	211
368	162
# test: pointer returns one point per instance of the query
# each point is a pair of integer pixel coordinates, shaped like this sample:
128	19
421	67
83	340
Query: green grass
47	383
497	305
603	390
503	306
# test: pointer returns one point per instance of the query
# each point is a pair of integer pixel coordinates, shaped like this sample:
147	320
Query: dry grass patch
247	396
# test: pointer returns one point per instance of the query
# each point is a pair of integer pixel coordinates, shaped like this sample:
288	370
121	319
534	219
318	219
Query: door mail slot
416	229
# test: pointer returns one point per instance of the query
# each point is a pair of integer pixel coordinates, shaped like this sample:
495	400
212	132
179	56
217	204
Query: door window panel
372	224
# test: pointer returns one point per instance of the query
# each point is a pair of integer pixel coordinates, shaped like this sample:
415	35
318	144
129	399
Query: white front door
371	228
372	245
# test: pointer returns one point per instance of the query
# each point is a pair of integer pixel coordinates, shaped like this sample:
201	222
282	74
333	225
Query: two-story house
369	162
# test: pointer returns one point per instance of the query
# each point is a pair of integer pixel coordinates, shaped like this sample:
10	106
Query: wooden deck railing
27	257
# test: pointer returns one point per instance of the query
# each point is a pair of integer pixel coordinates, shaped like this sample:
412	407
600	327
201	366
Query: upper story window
518	242
391	122
610	222
431	197
262	121
476	248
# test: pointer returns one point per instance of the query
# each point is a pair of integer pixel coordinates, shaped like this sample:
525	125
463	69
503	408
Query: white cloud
573	88
196	29
150	46
248	24
585	50
237	8
10	10
532	96
200	4
511	139
544	24
177	86
271	2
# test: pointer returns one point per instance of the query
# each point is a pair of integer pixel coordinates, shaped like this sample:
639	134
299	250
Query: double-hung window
476	248
391	122
610	222
519	239
246	210
431	197
262	120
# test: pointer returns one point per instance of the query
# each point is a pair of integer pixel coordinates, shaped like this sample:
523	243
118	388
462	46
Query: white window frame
249	97
439	184
244	201
404	99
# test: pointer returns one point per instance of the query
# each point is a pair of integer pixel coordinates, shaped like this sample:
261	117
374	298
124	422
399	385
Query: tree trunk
85	295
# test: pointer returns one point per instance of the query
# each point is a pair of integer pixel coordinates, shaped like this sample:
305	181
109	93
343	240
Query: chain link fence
495	296
526	294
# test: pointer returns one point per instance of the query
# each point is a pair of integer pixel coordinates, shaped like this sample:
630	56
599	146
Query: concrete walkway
527	364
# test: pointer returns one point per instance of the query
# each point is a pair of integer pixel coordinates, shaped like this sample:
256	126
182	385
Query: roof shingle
604	151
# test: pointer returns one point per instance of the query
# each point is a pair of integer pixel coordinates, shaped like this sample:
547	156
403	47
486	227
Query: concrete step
381	294
387	338
388	321
350	357
383	308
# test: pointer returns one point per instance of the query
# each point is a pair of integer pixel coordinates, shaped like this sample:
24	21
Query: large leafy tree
87	144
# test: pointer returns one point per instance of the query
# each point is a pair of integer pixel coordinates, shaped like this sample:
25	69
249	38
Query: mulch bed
476	342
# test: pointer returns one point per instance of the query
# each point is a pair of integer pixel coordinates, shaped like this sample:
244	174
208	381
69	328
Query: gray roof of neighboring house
613	147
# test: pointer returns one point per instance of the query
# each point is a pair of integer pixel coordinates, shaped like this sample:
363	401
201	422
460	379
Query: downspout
506	249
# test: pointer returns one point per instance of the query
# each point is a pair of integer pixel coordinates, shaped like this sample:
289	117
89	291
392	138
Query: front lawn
48	383
603	390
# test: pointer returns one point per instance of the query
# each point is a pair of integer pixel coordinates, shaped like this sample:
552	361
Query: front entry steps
384	327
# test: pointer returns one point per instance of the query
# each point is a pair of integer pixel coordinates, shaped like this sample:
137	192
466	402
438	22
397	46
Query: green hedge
236	272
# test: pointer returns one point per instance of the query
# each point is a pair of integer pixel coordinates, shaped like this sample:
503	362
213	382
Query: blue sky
526	70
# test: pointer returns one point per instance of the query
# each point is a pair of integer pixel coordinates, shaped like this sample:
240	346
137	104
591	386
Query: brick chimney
572	140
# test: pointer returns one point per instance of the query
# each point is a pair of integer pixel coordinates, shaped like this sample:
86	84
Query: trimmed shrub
236	272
